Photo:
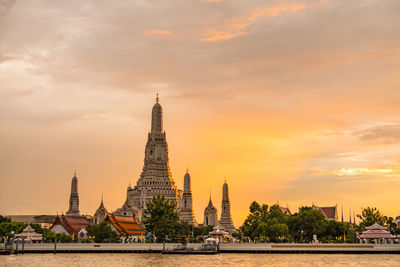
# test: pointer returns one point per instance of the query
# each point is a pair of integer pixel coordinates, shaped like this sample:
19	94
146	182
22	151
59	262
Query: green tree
369	216
265	224
102	232
161	219
202	230
306	223
4	219
8	226
391	224
64	238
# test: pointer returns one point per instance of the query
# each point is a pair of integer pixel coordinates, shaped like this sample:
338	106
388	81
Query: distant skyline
290	101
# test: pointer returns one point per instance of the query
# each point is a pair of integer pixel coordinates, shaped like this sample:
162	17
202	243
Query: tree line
270	224
263	224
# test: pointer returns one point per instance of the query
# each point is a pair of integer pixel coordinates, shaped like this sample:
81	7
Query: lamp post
12	240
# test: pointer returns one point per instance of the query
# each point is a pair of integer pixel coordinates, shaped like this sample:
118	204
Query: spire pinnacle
187	170
75	173
157	98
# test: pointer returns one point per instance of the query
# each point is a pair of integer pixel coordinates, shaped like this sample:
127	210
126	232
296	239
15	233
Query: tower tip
157	98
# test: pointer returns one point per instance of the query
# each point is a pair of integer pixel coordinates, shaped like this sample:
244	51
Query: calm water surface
198	260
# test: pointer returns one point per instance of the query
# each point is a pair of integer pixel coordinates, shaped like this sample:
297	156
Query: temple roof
376	231
376	226
72	224
218	230
210	205
329	212
125	225
29	233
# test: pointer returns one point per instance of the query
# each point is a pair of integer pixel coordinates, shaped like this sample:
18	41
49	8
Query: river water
114	259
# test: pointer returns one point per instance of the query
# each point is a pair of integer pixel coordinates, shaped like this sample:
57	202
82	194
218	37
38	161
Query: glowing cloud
236	26
362	171
157	32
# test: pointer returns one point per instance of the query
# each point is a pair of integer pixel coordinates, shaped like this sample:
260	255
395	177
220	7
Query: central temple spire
157	118
156	178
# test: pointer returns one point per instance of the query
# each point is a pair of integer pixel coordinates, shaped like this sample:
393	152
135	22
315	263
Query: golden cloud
156	32
235	26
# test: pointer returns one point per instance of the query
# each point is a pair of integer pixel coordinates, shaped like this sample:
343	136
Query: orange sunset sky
291	101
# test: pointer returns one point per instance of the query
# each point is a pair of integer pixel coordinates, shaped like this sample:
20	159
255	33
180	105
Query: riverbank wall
223	248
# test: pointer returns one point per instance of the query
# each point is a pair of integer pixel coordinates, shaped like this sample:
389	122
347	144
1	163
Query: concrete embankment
224	248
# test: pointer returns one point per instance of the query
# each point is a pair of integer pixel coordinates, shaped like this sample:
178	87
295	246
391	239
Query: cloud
157	32
213	35
237	26
386	134
5	5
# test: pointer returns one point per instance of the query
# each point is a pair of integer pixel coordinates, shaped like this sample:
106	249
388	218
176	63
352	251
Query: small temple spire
226	219
75	173
157	98
350	215
342	213
74	198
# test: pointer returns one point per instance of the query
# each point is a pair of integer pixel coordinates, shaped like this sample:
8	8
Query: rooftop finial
157	98
75	173
187	170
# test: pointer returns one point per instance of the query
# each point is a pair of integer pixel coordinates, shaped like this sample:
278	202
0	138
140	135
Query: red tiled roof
329	212
72	224
125	225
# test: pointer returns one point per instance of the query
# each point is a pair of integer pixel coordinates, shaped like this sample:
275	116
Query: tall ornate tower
226	219
186	211
74	198
156	178
210	214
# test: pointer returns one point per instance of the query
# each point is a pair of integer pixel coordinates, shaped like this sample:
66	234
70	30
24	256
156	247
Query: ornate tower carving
74	198
156	178
186	209
210	214
226	219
